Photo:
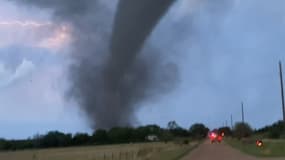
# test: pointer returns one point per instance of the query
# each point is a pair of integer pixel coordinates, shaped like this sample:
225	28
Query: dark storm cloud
227	52
109	74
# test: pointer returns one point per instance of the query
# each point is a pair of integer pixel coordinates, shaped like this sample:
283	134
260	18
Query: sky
225	54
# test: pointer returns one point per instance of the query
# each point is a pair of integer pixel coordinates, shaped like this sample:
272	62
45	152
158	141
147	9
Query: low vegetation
116	135
272	136
270	148
242	130
274	131
140	151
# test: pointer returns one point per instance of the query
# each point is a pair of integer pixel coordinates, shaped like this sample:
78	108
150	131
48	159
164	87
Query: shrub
242	130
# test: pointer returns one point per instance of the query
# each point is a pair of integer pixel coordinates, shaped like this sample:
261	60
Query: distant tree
5	145
8	145
198	130
176	130
121	134
55	139
226	130
276	130
166	136
22	144
179	132
242	130
100	136
172	125
277	125
153	129
142	132
81	139
2	143
37	141
274	133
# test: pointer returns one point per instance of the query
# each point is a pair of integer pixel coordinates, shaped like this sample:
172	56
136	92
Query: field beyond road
142	151
208	151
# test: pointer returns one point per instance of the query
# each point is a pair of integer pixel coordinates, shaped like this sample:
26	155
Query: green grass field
271	148
143	151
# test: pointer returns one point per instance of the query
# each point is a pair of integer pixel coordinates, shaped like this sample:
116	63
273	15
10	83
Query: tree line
274	131
118	135
114	135
244	130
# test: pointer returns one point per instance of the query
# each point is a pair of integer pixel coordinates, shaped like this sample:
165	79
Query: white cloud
39	96
38	103
7	77
25	68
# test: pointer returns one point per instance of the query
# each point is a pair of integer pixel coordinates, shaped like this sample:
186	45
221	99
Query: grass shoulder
175	153
271	148
139	151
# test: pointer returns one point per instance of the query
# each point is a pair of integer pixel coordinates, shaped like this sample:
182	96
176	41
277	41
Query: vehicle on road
215	136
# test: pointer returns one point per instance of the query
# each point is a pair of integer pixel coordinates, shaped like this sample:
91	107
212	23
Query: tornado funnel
134	22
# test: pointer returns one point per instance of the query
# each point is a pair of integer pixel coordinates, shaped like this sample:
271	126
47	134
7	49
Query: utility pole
232	121
242	112
282	90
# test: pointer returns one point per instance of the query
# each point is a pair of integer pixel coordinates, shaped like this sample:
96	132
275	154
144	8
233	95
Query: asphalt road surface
207	151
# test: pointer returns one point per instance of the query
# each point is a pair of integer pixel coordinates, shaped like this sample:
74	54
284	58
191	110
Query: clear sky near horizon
224	56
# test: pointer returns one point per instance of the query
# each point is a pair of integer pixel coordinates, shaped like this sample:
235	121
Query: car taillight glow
213	135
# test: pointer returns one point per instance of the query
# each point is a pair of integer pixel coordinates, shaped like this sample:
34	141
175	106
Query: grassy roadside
139	151
174	153
271	148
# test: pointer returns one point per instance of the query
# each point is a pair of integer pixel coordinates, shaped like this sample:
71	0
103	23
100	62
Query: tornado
134	22
110	73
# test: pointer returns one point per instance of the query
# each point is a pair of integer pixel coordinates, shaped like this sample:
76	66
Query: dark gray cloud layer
228	52
108	76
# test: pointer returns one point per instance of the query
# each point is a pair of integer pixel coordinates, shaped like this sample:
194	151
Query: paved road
207	151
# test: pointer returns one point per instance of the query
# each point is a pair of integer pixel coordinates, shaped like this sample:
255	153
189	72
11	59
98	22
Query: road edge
189	150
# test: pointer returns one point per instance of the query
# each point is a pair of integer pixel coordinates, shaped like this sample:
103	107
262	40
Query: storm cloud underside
109	74
227	52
